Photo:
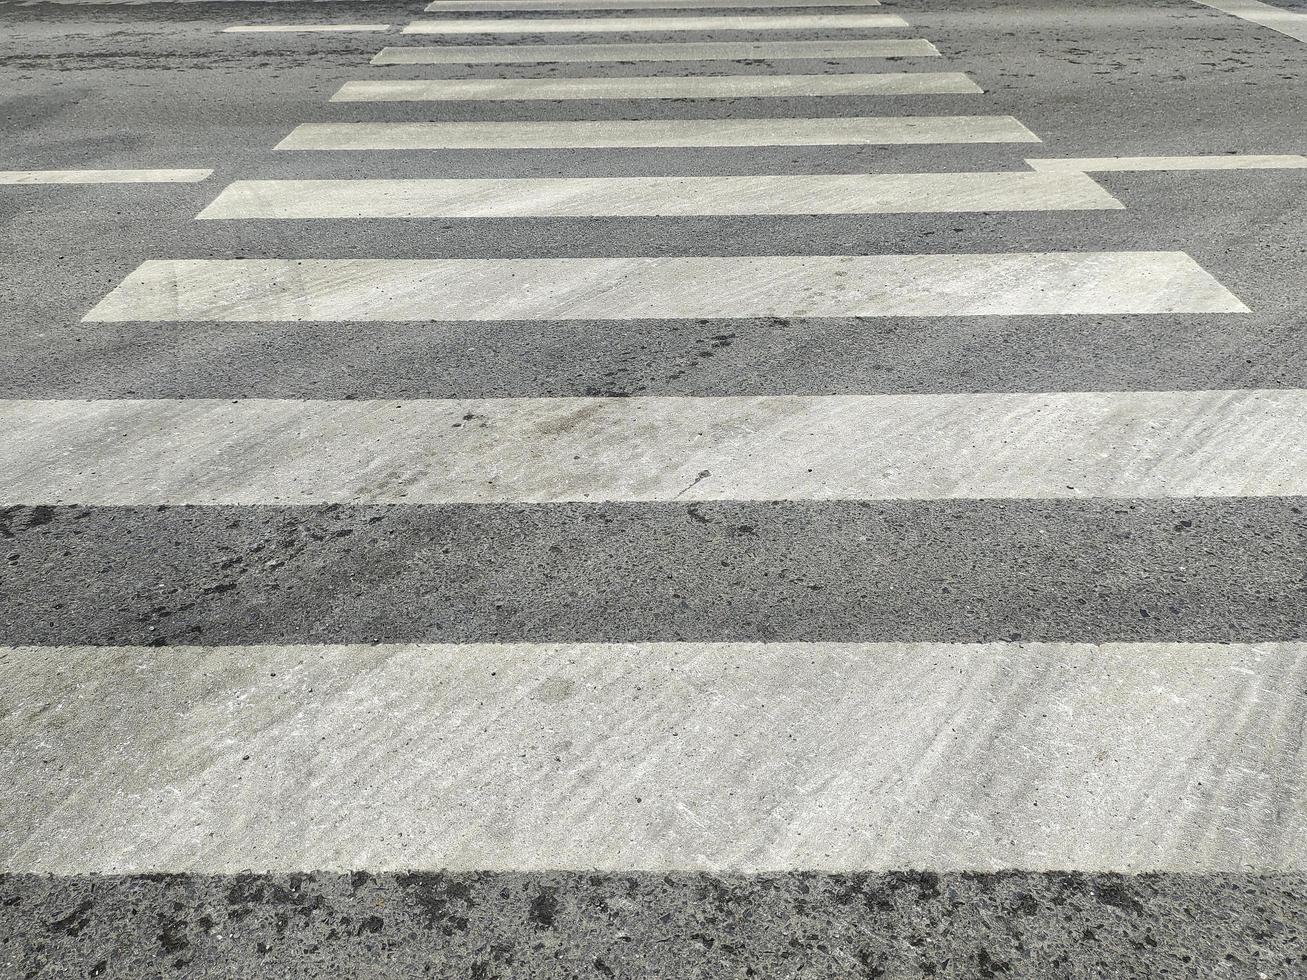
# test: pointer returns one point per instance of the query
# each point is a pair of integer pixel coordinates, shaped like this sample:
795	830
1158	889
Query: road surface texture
653	488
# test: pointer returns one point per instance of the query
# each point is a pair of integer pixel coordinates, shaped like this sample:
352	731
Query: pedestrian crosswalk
816	624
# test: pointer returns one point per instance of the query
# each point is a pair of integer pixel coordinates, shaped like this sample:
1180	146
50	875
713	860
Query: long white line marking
103	176
1213	162
441	6
1000	284
301	28
622	25
697	87
1287	22
554	450
568	134
666	196
668	51
654	756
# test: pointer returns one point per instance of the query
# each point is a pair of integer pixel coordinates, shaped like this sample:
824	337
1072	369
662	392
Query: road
653	488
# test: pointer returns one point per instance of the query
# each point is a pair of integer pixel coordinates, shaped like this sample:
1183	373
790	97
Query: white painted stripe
568	134
1001	284
667	196
442	6
301	28
1215	162
554	450
695	87
1287	22
654	756
103	176
667	51
622	25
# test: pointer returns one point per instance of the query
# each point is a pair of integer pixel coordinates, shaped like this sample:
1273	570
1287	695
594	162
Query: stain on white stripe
668	51
698	87
567	134
440	6
1287	22
103	176
1213	162
999	284
622	25
667	196
301	28
656	756
553	450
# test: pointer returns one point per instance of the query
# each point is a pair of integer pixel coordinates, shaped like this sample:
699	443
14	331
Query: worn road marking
217	452
1213	162
697	87
654	756
666	196
567	134
1287	22
998	284
668	51
623	25
103	176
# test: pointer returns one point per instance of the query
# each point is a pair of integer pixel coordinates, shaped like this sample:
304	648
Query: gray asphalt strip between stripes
562	925
1226	570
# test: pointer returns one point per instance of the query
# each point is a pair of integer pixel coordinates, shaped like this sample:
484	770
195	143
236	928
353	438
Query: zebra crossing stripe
1287	22
745	757
1047	446
103	176
996	284
598	134
665	196
666	51
622	25
1213	162
697	87
439	6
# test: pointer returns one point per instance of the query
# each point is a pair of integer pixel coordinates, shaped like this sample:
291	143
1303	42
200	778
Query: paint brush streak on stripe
622	25
747	757
669	51
1002	284
701	87
663	196
551	450
597	134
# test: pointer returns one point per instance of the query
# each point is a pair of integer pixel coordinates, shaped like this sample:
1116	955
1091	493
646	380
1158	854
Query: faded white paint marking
666	196
441	6
623	25
103	176
567	134
1213	162
301	28
1287	22
654	756
1001	284
254	452
669	51
695	87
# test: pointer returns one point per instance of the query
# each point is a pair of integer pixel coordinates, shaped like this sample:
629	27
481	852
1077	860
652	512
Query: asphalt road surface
653	488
